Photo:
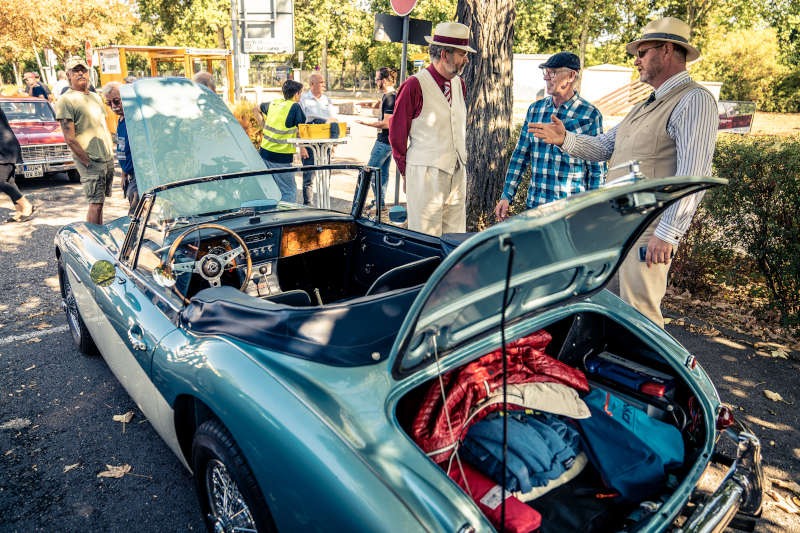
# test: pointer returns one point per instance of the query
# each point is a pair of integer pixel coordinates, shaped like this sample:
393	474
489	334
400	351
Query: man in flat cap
554	174
428	135
82	115
672	133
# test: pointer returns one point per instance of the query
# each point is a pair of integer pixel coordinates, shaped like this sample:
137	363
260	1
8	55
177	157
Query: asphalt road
56	405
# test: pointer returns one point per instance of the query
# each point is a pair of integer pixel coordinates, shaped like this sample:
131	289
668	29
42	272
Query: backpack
630	450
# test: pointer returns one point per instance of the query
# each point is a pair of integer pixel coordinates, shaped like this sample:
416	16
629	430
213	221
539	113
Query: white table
320	149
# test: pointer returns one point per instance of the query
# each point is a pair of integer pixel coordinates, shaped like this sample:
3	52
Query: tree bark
324	60
490	102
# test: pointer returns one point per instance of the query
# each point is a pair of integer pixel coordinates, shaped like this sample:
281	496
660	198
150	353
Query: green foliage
746	62
759	211
200	23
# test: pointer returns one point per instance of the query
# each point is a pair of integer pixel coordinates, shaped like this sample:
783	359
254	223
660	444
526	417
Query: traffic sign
403	7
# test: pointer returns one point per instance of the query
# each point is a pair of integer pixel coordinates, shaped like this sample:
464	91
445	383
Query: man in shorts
82	115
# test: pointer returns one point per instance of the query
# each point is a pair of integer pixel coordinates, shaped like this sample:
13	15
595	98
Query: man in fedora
554	174
427	134
672	133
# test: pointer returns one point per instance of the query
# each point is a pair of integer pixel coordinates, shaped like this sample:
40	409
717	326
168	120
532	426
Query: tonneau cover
342	334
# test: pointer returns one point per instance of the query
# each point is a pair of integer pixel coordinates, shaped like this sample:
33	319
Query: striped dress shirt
693	126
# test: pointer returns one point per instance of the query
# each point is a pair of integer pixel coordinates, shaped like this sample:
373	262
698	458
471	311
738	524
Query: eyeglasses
642	53
548	73
114	101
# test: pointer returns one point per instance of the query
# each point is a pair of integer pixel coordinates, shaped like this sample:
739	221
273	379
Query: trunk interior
614	362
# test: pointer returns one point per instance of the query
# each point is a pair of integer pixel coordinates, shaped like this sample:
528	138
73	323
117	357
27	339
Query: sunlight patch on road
769	424
30	304
729	343
27	336
744	382
52	283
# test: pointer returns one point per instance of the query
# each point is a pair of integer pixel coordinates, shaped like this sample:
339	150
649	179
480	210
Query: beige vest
642	136
437	136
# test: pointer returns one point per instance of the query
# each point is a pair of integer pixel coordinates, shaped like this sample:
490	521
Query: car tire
222	475
73	176
80	335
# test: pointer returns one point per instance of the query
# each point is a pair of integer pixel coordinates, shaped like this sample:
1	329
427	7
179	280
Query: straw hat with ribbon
667	29
451	34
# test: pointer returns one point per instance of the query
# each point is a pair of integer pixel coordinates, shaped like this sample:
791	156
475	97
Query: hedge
751	224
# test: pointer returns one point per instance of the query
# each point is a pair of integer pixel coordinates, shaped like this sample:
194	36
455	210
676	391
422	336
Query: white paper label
492	498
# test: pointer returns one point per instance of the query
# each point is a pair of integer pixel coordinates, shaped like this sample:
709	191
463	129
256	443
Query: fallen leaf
782	503
667	320
790	485
115	471
780	354
70	467
30	368
125	419
775	397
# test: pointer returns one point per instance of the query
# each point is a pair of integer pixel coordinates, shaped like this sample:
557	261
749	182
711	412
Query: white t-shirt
315	107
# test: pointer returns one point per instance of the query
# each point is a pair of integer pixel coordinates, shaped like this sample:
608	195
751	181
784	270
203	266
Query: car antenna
505	244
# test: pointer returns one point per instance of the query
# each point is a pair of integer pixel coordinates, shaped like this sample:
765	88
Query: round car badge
211	266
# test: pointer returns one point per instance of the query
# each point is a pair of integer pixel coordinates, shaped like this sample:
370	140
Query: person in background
672	133
82	115
278	120
207	79
34	87
428	135
10	155
385	79
554	175
110	93
60	85
319	110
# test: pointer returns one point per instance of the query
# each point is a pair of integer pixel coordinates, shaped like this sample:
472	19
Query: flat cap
562	60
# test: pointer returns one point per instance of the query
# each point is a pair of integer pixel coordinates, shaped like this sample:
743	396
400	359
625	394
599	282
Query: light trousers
644	287
436	200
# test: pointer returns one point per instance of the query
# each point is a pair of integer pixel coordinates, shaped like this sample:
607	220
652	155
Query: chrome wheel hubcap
229	512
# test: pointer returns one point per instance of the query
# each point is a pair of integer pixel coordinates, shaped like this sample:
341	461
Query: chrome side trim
740	491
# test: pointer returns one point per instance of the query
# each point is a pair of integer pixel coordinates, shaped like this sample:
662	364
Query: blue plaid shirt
554	174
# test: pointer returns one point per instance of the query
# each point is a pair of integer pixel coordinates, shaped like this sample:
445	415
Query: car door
133	320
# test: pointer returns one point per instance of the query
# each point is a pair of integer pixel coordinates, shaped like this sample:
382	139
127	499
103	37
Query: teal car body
319	435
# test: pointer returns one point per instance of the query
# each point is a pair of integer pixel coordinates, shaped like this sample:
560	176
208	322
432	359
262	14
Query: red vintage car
44	150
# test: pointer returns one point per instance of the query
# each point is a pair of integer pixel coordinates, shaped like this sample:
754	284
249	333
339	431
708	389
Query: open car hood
564	250
178	130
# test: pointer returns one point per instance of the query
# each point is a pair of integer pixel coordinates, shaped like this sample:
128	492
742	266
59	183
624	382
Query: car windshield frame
36	102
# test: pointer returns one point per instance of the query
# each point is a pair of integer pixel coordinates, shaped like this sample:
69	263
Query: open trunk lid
565	250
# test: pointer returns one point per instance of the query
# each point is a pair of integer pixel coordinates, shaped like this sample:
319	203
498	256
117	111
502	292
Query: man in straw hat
672	133
427	134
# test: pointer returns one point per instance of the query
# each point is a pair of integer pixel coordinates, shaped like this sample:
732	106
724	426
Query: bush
759	211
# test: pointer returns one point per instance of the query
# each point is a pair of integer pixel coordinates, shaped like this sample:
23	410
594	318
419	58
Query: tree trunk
221	37
490	101
324	60
17	78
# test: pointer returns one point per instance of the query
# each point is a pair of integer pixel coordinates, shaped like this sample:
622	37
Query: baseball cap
562	59
75	61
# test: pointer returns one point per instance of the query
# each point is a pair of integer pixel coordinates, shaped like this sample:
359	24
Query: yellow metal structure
117	71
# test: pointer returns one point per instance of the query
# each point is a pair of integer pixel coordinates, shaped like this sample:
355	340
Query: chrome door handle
390	242
135	338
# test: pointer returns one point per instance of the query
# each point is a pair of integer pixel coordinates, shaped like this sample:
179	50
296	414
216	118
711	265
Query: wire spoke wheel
229	511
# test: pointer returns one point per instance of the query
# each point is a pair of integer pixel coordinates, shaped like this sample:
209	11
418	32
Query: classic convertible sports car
325	370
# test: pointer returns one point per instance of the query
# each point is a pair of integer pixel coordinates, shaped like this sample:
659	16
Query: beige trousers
436	200
643	287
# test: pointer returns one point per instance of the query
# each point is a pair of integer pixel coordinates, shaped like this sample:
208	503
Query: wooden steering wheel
211	266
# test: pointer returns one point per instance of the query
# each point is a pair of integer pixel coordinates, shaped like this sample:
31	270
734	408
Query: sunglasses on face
114	101
641	53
